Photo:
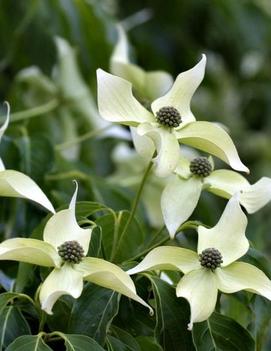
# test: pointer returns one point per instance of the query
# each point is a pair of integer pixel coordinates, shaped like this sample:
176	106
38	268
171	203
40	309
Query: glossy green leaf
172	317
148	343
120	245
120	340
221	333
12	325
93	312
29	343
75	342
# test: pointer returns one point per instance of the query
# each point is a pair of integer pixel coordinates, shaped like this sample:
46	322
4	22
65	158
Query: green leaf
93	312
75	342
88	208
120	246
148	343
221	333
121	340
9	297
28	343
261	322
12	325
172	317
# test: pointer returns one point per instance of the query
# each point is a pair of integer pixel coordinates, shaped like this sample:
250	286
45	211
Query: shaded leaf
28	343
93	312
221	333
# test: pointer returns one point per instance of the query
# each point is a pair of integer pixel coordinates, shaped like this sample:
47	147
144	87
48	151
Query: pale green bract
200	285
67	278
147	85
17	184
180	196
117	104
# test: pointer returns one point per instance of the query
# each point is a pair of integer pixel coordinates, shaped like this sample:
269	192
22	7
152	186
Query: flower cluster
163	129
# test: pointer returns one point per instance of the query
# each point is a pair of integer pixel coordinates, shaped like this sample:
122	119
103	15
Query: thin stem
135	204
43	318
81	138
35	111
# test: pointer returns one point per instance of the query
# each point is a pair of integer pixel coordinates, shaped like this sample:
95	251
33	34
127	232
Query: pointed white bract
67	276
117	104
201	281
148	85
17	184
181	195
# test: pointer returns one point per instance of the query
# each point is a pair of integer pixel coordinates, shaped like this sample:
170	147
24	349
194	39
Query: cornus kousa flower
214	267
170	120
181	194
65	247
17	184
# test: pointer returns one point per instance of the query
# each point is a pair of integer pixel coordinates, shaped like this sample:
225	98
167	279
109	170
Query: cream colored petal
63	226
61	281
149	85
29	250
228	236
183	167
180	95
256	196
116	102
178	201
168	149
109	276
213	139
121	49
143	145
168	258
17	184
243	276
199	288
2	167
225	183
2	131
5	124
157	83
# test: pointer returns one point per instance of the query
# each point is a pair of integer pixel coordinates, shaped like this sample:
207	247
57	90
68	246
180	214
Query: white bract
67	276
17	184
146	85
181	194
169	122
201	283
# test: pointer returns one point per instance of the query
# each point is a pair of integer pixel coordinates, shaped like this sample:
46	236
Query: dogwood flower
17	184
65	247
181	194
214	267
170	122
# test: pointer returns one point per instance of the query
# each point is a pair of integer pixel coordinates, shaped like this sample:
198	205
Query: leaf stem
35	111
134	206
81	138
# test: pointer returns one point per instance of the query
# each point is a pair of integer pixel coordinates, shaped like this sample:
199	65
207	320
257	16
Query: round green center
169	116
210	258
201	166
71	251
